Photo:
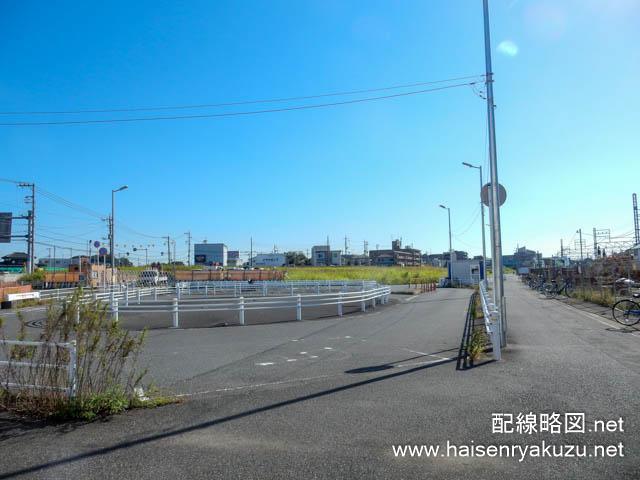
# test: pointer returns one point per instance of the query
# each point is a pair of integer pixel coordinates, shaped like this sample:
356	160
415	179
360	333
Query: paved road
329	398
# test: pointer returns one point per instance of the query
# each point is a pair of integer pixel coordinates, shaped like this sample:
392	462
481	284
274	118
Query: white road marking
415	351
242	387
303	353
440	360
264	364
348	336
292	360
313	356
328	348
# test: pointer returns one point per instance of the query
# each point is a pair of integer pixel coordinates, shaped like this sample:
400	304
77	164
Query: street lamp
484	248
449	212
113	208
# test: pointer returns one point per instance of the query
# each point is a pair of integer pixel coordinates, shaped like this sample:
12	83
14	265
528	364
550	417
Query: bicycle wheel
568	291
626	312
550	291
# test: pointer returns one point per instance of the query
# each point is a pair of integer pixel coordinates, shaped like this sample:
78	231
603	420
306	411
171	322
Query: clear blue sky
567	120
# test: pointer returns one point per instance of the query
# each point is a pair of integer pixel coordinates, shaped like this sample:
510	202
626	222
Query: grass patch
476	344
382	275
107	381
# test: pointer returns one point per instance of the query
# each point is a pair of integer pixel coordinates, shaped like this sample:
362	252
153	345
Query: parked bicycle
627	311
552	290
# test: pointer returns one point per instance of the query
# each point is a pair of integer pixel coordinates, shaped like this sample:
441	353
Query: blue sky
567	116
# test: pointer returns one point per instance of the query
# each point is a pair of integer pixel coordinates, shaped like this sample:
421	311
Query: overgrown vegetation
108	379
36	276
476	344
600	297
384	275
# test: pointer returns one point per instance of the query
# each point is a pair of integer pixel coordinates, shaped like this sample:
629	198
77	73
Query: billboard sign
5	227
233	254
201	259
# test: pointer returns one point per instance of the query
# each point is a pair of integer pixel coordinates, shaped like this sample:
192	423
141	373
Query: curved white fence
241	304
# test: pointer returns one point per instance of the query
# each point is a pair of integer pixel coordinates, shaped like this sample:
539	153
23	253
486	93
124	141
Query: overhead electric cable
236	114
248	102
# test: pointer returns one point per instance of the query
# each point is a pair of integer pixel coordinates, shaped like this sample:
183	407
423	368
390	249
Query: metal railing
242	304
128	291
71	367
491	320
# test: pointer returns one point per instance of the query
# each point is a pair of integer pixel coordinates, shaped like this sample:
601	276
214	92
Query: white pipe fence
71	367
491	320
241	304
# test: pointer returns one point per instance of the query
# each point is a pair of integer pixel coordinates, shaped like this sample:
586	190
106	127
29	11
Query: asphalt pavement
330	398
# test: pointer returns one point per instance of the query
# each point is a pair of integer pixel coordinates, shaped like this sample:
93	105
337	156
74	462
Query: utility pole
366	248
493	167
346	245
561	249
188	234
251	254
595	243
31	226
328	259
635	219
580	232
169	250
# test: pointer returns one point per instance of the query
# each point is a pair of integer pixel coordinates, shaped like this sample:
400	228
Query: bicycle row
625	311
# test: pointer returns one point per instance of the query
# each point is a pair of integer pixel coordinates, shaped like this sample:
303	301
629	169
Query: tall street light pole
111	234
496	236
450	251
484	248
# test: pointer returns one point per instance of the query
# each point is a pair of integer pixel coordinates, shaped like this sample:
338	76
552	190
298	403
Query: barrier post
235	290
114	310
363	304
178	290
373	302
73	368
317	289
206	290
240	287
126	295
155	294
299	308
340	305
139	295
78	312
241	313
292	289
264	289
175	313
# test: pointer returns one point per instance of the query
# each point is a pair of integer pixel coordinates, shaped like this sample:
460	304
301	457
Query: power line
250	102
235	114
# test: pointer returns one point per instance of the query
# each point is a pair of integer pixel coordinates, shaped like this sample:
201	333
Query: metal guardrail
491	320
71	367
241	304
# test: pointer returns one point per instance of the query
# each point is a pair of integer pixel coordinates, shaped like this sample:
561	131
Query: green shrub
107	372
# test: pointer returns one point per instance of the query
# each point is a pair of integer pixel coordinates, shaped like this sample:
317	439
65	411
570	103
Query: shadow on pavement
213	423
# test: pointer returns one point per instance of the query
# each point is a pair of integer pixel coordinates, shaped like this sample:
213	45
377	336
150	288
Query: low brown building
409	257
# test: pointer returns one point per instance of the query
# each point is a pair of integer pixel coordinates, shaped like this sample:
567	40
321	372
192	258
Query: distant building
321	255
409	257
233	258
356	260
442	259
15	259
269	260
521	258
210	254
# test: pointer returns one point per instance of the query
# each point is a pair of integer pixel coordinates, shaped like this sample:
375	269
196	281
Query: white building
321	255
210	254
269	260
